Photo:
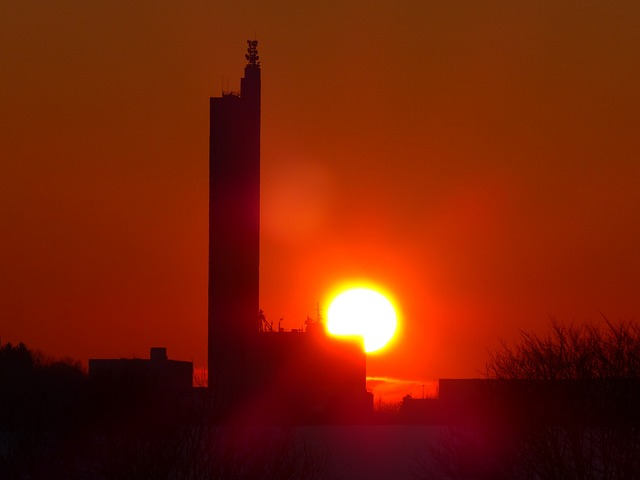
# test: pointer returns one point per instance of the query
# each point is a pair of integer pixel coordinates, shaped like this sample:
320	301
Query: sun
363	312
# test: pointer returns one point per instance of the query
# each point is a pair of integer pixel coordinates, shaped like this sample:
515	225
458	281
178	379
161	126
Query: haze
479	160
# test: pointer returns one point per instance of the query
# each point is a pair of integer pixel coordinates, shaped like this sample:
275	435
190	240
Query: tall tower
234	231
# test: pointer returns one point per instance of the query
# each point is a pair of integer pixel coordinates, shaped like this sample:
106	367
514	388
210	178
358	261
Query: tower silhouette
256	373
234	229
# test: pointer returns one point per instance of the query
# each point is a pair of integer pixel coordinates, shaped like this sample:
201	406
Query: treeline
39	393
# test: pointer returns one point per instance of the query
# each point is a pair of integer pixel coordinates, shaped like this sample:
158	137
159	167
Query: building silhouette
157	372
525	402
139	393
234	229
254	371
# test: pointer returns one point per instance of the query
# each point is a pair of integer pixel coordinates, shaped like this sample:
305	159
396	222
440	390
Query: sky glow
479	159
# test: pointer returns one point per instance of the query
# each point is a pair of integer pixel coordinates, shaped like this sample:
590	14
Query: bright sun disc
363	312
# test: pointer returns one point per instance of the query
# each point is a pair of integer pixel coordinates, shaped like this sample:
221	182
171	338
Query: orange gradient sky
478	160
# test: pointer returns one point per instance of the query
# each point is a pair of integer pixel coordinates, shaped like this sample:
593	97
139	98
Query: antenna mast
253	60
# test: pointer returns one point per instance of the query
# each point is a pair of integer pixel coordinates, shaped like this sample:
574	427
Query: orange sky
480	160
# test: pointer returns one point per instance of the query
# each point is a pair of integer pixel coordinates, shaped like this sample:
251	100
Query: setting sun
363	312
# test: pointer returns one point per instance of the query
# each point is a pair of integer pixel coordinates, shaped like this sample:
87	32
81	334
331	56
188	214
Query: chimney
158	354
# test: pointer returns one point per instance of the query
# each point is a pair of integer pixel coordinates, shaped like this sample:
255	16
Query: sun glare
363	312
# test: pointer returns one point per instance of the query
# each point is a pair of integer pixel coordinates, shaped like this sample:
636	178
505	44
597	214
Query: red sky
479	160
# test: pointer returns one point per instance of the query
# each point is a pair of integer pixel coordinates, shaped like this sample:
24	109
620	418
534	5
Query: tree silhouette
42	406
576	392
571	352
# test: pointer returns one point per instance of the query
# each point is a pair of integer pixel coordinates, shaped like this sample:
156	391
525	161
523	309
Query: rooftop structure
156	372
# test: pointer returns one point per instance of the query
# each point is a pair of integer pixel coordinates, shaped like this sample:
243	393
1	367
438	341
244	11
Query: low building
559	402
139	394
157	371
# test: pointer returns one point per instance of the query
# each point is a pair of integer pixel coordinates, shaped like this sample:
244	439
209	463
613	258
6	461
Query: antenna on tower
252	57
319	318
